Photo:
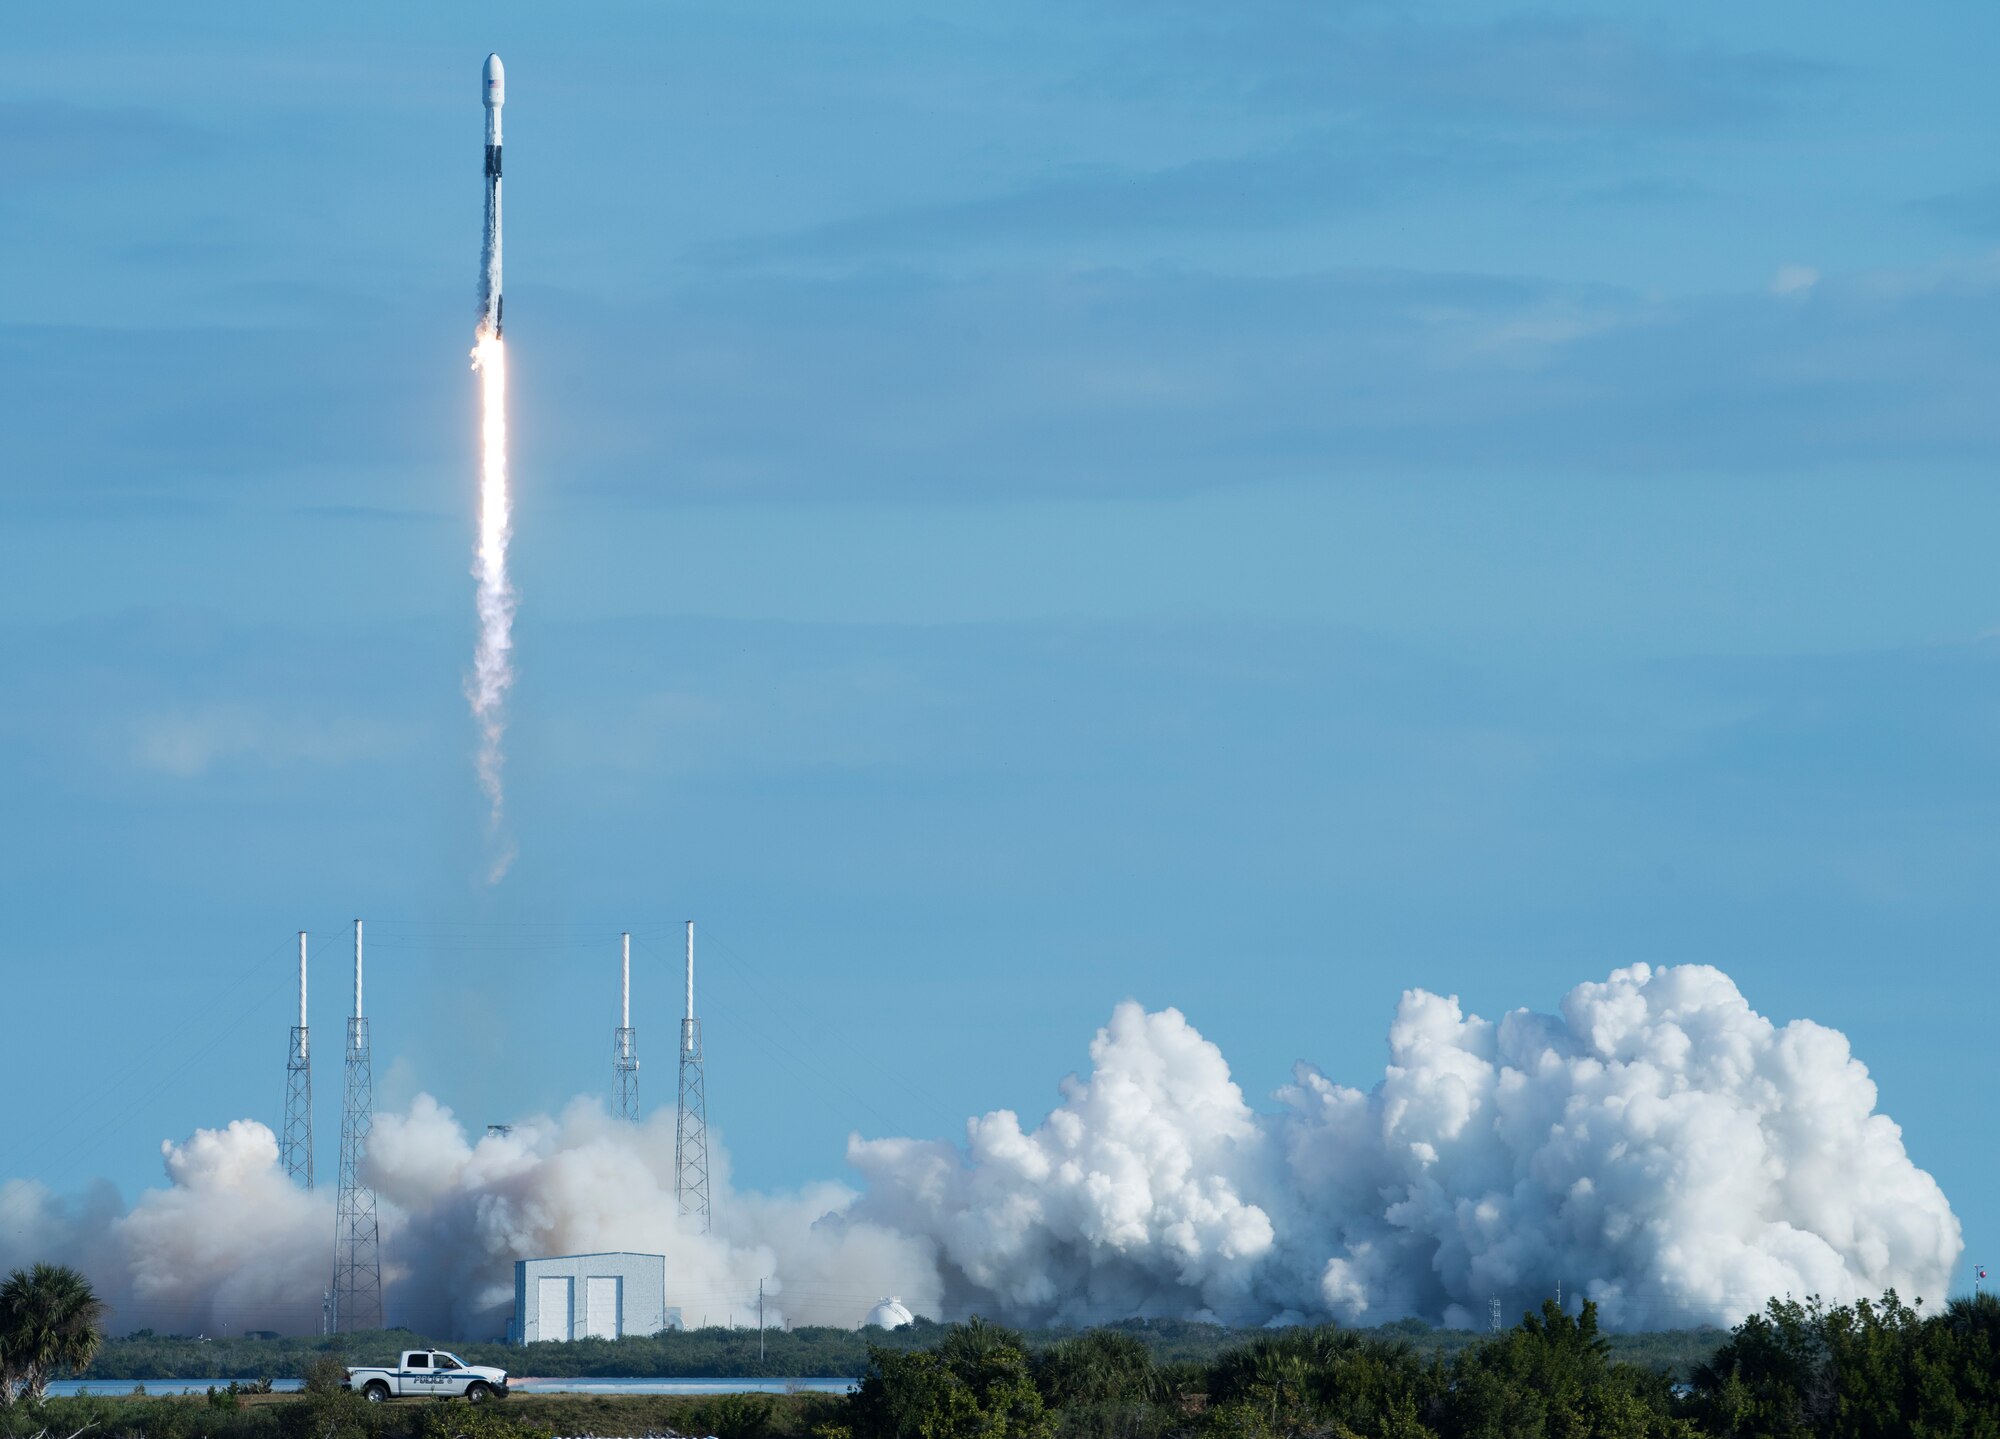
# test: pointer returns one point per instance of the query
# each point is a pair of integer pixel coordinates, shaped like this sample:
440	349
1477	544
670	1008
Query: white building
590	1296
889	1314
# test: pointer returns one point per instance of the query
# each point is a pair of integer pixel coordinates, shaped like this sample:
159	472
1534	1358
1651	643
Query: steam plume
1656	1145
230	1244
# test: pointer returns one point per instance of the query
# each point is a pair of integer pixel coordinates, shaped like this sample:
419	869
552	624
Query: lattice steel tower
357	1238
297	1150
691	1127
624	1052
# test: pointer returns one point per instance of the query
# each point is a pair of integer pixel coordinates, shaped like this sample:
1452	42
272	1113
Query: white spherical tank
889	1314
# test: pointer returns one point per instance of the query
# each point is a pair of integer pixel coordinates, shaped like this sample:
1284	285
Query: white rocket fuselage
493	92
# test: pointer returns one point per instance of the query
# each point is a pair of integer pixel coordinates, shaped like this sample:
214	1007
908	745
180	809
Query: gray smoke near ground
464	1211
231	1244
1656	1146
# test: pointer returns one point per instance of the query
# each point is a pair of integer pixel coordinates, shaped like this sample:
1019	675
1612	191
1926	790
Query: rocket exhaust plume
492	664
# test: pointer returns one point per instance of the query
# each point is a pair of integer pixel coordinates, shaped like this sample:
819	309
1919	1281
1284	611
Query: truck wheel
376	1392
477	1392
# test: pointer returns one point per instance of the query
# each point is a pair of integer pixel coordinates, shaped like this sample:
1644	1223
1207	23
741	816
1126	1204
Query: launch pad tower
357	1237
691	1125
297	1148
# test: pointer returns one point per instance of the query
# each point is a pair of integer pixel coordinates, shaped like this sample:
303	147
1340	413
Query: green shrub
463	1419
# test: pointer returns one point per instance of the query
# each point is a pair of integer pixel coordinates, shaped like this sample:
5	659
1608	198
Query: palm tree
49	1320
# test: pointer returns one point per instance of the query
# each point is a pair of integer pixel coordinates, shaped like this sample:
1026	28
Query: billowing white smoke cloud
230	1245
1657	1146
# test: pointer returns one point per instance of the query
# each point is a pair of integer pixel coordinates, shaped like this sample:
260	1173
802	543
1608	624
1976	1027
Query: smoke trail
492	664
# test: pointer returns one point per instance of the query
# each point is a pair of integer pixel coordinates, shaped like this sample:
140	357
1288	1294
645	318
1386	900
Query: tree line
730	1353
1798	1370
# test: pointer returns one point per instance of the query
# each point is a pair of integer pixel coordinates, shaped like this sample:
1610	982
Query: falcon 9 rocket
492	666
493	90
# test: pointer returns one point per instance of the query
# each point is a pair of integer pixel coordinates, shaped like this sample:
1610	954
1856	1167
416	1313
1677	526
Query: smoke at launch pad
1655	1145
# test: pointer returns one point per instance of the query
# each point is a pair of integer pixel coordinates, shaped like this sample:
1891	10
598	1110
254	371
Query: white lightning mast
357	1238
297	1149
691	1125
624	1049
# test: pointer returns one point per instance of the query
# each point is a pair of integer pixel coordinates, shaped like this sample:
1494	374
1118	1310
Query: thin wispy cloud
1973	211
52	141
189	743
1316	177
1542	71
1023	382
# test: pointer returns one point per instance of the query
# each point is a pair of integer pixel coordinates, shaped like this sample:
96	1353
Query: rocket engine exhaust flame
492	662
492	665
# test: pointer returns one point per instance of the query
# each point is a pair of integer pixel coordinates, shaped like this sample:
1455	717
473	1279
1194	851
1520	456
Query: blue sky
1250	507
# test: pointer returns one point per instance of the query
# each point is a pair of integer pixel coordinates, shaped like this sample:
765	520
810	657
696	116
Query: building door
602	1306
552	1308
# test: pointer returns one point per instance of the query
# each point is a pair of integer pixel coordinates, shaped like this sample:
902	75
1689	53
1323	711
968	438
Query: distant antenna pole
691	1125
298	1142
760	1321
357	1238
624	1052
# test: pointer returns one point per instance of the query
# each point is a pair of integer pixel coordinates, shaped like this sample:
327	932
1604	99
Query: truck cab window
445	1361
420	1361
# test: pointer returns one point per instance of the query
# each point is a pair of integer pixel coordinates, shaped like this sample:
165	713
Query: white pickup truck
429	1371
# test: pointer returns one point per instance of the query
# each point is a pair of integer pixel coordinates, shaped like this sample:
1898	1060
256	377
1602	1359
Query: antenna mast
297	1148
624	1052
691	1125
357	1238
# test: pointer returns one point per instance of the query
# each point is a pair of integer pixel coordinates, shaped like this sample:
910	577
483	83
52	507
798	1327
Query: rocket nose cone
493	81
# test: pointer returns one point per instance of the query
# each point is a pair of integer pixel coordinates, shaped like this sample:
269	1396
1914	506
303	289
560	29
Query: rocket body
493	92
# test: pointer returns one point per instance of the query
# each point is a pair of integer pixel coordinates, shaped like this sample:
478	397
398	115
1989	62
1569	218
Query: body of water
517	1385
116	1387
678	1386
